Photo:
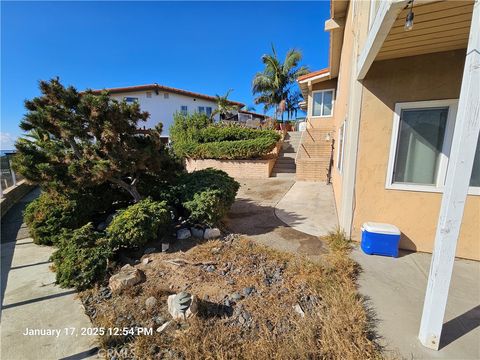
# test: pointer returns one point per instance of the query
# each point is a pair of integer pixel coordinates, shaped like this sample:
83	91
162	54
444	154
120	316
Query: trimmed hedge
195	138
207	195
228	150
138	224
81	258
216	133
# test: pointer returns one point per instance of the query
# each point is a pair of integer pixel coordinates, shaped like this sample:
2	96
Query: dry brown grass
336	325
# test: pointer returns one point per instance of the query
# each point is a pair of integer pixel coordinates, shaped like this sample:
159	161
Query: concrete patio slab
30	299
396	289
308	207
254	214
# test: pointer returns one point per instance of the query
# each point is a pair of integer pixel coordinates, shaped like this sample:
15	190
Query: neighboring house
381	117
248	118
162	102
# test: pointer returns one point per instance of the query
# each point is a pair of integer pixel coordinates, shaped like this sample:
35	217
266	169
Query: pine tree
85	139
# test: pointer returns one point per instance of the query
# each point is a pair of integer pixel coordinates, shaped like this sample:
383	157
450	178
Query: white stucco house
162	102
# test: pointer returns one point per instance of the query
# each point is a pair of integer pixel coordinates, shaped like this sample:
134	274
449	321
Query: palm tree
274	84
224	106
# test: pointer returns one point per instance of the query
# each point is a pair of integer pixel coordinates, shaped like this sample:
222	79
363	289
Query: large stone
197	232
183	234
182	305
127	277
150	303
211	233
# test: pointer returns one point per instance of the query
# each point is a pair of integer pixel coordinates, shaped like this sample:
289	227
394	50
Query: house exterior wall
161	109
341	101
434	76
418	78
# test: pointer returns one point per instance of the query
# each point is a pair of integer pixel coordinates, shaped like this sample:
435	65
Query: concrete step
285	162
283	175
284	171
286	156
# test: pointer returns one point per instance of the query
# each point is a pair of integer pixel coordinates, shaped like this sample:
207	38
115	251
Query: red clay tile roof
313	74
156	87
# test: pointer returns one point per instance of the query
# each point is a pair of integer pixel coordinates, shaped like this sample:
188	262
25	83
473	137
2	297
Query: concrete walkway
31	300
254	214
308	207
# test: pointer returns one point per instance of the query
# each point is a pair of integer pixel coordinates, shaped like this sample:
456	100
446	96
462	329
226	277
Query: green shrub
195	137
216	133
138	224
206	207
207	195
159	189
228	150
81	258
52	211
186	127
47	215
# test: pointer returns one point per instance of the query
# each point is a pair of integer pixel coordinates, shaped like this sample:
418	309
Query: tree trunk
130	188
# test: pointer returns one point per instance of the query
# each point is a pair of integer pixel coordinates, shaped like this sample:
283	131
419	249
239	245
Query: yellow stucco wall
426	77
341	101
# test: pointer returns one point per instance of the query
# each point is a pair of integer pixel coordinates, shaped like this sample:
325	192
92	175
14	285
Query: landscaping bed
240	152
252	302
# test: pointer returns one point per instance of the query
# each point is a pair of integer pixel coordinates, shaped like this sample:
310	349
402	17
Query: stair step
285	163
283	175
286	156
286	171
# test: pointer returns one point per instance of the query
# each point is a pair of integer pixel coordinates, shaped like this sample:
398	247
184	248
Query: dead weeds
255	303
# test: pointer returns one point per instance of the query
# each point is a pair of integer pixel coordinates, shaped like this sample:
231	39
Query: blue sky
206	47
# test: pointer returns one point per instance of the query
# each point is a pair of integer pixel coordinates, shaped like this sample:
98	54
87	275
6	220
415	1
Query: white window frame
313	100
341	149
452	105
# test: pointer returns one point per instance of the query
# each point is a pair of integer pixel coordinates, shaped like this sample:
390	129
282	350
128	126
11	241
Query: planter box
238	169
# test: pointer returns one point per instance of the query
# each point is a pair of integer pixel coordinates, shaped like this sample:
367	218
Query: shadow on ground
259	222
459	326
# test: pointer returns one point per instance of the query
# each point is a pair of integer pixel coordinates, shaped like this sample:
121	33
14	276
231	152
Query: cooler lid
381	228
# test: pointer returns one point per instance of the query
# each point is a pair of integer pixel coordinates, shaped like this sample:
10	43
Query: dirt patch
255	303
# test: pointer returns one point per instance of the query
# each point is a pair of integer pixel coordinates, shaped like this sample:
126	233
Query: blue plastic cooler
380	239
